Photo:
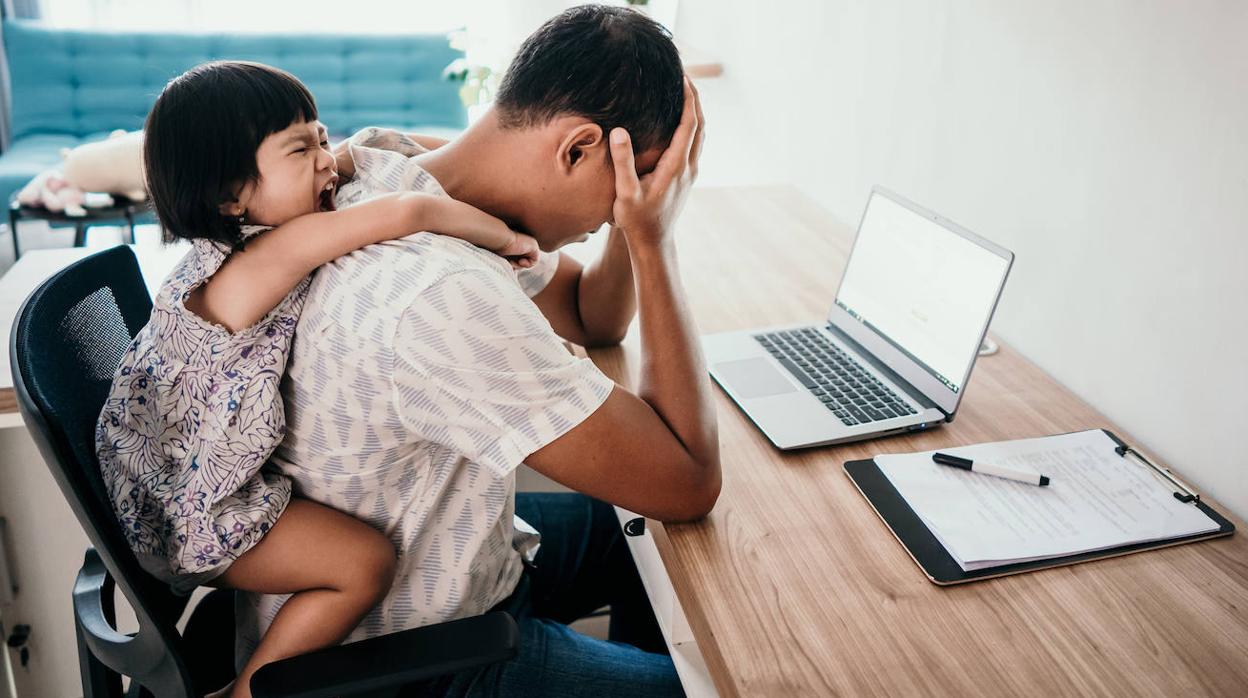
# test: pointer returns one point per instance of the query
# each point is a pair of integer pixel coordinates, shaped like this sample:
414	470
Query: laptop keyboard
841	384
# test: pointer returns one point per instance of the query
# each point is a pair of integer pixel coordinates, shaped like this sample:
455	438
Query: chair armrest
95	617
391	661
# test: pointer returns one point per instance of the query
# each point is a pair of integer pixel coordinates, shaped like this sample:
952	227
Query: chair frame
156	657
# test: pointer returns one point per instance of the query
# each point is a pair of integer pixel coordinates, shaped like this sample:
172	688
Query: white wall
46	549
1105	142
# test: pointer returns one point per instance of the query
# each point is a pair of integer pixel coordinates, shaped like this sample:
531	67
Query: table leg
17	251
130	220
80	234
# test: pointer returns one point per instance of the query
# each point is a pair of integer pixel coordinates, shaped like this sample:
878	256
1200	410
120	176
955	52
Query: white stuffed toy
110	166
50	190
90	174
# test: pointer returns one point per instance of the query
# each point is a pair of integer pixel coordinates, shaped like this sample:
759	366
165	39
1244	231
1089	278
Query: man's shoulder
376	284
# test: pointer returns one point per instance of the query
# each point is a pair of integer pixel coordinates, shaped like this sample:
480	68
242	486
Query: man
422	374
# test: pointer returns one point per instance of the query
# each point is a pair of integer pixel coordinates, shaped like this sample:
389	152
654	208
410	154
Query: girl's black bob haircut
201	139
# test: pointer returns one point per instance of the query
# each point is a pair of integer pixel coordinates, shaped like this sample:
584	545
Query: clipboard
940	567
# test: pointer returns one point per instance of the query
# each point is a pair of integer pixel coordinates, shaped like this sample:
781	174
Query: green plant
480	82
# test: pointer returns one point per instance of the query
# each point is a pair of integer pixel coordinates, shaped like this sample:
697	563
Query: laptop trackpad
752	378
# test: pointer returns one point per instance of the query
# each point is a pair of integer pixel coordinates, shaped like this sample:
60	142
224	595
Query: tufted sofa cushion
72	86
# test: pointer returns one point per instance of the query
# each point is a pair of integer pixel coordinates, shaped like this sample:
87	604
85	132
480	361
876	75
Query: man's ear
581	141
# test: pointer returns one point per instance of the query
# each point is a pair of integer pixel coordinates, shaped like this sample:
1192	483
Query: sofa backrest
81	82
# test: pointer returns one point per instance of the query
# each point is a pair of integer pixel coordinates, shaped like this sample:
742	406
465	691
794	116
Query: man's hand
645	208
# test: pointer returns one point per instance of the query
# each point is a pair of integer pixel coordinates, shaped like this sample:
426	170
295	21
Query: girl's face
297	176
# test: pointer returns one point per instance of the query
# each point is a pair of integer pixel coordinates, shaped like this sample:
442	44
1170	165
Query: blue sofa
69	87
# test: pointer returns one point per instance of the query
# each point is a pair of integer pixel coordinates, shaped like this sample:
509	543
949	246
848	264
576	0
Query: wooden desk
793	586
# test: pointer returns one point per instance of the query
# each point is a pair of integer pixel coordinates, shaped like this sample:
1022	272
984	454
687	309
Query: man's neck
484	168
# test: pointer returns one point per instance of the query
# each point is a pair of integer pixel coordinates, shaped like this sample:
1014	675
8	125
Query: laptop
897	348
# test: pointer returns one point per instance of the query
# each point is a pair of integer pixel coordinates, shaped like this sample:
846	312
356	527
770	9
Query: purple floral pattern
193	415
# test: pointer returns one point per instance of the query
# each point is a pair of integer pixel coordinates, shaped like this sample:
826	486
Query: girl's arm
253	280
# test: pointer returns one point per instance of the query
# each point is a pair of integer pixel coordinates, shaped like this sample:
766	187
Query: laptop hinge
892	375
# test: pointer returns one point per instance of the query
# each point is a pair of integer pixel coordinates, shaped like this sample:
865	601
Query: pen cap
946	459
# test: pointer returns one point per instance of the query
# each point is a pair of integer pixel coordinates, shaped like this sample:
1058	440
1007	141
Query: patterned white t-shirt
421	376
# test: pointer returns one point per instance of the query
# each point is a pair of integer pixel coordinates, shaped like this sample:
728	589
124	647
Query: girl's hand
522	251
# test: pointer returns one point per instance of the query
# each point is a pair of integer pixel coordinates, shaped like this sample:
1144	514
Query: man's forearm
605	296
673	378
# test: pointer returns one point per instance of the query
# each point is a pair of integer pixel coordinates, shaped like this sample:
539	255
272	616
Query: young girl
237	163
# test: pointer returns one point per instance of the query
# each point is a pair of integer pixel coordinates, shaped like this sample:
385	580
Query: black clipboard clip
1185	495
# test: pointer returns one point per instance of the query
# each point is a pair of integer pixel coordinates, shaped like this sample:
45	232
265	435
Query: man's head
586	71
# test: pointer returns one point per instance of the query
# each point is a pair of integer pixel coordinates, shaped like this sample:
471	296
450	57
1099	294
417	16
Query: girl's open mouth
326	199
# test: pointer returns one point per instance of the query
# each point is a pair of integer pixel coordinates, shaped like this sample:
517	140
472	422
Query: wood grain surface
793	585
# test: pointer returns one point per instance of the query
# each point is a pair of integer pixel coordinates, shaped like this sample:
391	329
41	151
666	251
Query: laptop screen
925	288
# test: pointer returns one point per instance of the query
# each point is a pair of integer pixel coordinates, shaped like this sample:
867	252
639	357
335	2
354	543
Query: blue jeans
583	564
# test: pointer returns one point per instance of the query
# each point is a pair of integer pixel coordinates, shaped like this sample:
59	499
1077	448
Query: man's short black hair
611	65
201	139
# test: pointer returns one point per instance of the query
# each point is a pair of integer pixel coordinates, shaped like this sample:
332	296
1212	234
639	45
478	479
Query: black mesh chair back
68	338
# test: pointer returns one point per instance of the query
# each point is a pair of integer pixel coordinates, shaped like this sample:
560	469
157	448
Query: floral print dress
193	415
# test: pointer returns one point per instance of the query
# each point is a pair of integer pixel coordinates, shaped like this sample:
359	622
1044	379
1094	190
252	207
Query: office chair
68	338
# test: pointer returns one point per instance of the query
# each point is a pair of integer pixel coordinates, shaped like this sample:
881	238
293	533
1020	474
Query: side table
122	209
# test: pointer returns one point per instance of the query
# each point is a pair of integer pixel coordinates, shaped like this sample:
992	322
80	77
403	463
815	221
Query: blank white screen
924	287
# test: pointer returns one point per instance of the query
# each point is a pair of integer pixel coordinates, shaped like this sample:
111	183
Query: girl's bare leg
336	566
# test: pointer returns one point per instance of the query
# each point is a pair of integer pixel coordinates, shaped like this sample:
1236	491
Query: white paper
1096	499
